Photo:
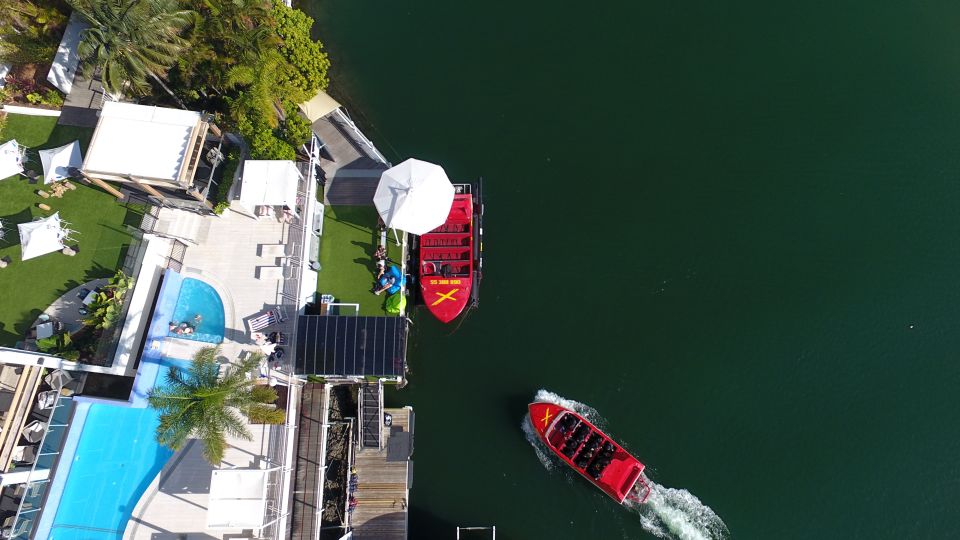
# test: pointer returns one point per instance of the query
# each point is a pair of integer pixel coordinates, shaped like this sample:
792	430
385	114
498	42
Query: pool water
116	458
199	298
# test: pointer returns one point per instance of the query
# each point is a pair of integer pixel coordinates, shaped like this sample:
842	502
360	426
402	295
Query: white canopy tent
414	196
42	236
11	159
58	161
238	498
269	183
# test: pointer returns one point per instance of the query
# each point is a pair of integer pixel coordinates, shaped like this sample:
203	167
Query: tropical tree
199	403
131	41
29	32
105	310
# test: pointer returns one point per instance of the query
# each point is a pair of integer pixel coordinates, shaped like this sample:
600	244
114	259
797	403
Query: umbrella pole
395	237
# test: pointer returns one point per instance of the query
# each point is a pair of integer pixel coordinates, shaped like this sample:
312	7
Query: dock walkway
384	483
351	164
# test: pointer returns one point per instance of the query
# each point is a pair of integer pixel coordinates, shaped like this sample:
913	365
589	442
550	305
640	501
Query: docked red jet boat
590	452
450	257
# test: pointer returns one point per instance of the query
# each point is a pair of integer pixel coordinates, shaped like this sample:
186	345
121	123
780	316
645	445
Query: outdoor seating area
95	219
348	268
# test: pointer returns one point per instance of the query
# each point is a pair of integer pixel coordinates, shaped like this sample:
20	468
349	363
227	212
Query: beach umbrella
57	162
41	237
415	196
11	159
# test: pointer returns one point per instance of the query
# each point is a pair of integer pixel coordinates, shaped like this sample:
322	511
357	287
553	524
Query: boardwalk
384	487
308	477
350	164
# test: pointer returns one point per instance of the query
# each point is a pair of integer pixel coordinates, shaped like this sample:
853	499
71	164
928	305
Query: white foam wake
668	512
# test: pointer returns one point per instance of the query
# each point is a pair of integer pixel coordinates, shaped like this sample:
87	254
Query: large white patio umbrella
41	236
11	159
415	196
58	161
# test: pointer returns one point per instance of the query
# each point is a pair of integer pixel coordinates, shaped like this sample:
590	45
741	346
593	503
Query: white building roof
143	141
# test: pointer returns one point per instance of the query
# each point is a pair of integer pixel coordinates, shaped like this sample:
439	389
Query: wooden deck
307	477
383	489
350	168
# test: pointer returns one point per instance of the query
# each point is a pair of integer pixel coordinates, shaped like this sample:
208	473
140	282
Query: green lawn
346	256
28	287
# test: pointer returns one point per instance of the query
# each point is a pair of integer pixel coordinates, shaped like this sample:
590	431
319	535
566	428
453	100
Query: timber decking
82	105
351	170
303	516
383	489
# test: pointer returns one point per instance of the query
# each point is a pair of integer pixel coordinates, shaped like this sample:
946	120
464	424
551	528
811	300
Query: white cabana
269	183
41	236
11	159
414	196
238	498
57	162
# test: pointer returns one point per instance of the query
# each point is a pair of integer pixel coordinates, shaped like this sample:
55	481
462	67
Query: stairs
371	415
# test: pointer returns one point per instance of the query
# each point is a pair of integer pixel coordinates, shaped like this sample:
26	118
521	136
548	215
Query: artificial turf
101	239
346	257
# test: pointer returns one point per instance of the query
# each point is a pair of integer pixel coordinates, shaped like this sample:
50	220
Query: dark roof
347	346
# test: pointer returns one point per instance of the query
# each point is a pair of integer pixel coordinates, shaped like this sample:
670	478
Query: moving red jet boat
590	452
451	263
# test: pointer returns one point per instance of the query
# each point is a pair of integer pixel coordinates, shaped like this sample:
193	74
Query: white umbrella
41	237
415	196
58	161
11	159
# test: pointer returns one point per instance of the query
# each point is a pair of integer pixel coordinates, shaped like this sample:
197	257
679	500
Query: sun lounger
272	251
269	272
45	400
265	320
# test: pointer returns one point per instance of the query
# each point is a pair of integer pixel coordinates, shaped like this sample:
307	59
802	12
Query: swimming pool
115	460
199	307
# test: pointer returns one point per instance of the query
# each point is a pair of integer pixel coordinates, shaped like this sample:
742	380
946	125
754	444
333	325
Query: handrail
361	137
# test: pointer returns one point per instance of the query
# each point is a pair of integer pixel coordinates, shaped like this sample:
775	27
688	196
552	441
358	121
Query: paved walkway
83	103
66	309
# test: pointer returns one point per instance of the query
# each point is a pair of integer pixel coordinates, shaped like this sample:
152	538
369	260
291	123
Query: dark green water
732	228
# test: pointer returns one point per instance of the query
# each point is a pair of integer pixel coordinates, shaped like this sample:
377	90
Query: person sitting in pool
196	319
173	326
188	330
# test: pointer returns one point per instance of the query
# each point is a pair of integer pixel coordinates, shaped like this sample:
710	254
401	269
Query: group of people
389	278
185	328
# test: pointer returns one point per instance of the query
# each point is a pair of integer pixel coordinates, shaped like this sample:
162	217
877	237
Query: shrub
220	207
53	98
263	394
230	165
262	414
295	129
305	56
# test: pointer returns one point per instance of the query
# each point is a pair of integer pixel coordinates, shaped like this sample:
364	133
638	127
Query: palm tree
131	41
198	403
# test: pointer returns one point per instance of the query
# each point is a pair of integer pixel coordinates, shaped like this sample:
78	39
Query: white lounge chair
273	251
57	379
24	454
33	432
270	272
46	400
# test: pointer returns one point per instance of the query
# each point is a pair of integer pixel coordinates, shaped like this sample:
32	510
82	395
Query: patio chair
57	379
33	432
24	454
46	400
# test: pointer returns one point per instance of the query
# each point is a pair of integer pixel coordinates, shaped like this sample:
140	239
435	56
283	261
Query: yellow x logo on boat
546	417
445	296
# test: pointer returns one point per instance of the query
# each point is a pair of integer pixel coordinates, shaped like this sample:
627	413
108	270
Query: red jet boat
590	452
450	257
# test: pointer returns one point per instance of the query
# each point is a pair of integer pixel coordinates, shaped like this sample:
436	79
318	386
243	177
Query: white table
44	330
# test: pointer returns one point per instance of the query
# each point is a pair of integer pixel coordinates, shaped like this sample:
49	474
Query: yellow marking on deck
445	296
546	417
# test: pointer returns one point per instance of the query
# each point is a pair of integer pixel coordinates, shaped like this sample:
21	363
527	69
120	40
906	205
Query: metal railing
374	153
35	493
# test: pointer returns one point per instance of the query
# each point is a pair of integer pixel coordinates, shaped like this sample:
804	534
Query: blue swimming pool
115	460
200	308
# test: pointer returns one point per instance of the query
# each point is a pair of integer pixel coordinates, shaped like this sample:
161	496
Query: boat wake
668	512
